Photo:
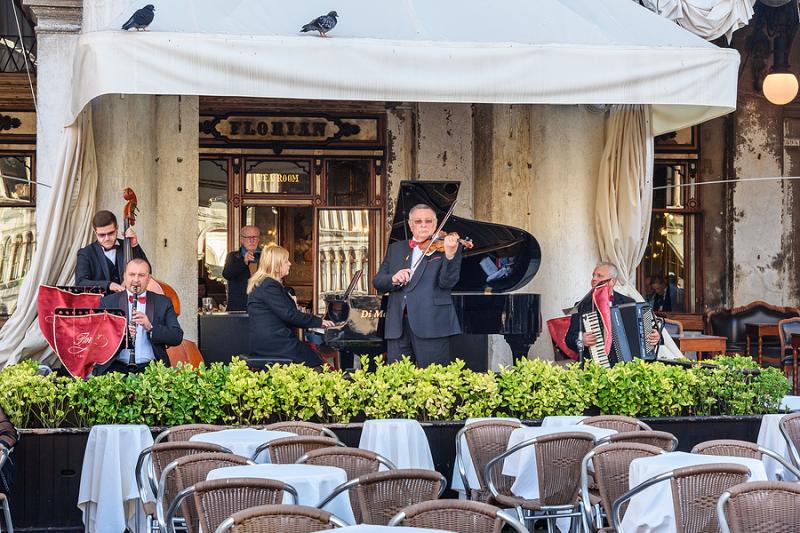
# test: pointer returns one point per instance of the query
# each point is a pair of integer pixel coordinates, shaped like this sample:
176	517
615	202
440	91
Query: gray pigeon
322	24
141	19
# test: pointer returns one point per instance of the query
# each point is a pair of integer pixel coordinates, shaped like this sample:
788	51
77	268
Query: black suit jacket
237	273
272	314
166	329
92	268
426	296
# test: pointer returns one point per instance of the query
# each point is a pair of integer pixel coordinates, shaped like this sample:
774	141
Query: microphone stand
132	345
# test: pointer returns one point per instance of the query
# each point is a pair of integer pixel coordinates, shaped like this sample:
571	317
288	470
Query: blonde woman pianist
273	313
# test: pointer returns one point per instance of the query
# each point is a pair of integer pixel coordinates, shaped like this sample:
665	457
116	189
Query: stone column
58	26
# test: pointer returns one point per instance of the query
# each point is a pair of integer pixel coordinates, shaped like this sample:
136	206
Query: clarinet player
153	322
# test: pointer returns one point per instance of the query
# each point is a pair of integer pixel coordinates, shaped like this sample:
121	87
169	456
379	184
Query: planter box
45	495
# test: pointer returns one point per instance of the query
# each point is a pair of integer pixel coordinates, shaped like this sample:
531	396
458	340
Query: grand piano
502	260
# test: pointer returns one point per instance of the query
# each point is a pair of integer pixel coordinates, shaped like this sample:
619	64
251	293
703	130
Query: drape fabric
71	208
709	19
625	197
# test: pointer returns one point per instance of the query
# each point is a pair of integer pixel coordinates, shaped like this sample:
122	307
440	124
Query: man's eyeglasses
251	237
104	235
426	221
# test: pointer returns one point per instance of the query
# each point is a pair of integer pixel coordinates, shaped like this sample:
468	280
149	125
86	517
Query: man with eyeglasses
420	316
100	263
240	265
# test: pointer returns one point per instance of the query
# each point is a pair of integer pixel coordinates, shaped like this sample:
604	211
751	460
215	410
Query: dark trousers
123	368
423	352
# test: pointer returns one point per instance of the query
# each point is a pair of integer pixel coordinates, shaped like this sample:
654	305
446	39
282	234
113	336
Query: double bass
187	351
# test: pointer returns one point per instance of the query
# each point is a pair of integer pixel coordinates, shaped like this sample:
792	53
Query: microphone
132	345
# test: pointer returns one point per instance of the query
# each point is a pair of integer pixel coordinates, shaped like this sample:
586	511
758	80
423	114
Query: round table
312	483
402	441
243	441
770	436
108	495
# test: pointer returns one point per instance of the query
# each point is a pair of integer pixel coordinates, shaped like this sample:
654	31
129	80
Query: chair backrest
354	461
764	506
289	449
730	323
615	422
673	327
660	439
611	466
283	518
218	499
382	495
185	472
787	327
486	440
696	490
790	428
558	465
456	515
185	432
163	453
729	447
303	429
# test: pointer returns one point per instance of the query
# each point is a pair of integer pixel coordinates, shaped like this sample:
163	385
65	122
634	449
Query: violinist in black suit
153	325
100	263
420	316
273	313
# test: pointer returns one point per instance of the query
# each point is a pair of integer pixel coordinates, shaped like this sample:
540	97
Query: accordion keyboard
593	325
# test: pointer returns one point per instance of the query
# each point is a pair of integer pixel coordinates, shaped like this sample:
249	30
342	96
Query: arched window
28	253
16	258
5	262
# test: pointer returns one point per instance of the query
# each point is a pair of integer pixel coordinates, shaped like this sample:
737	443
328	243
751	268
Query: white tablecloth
243	441
790	403
651	511
108	496
561	420
472	477
312	482
400	440
770	436
522	465
366	528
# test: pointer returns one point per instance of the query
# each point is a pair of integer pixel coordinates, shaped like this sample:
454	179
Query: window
212	237
670	273
17	225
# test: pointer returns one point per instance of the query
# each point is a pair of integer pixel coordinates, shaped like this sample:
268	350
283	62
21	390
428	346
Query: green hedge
233	394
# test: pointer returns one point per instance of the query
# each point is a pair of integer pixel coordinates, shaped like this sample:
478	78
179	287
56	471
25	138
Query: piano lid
503	259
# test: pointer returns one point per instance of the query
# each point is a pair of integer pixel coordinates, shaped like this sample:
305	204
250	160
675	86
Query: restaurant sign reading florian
290	130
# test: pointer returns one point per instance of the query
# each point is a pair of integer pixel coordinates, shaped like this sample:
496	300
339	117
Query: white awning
507	51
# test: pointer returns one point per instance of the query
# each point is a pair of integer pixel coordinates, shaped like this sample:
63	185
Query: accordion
630	325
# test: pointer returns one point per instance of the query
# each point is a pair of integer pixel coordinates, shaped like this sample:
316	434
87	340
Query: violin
436	243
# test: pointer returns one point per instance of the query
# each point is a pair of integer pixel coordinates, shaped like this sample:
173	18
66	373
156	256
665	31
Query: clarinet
132	344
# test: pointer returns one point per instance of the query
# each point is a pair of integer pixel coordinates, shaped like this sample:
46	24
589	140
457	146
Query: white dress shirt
143	347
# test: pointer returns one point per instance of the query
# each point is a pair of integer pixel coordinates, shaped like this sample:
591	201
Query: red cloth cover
602	297
558	332
86	339
68	297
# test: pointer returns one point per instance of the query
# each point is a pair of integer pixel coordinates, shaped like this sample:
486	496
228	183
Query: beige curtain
625	197
71	208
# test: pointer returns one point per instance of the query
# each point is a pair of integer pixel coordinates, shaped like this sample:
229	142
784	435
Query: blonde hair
270	265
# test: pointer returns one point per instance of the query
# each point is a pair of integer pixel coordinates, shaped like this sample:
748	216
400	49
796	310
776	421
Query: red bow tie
142	299
413	244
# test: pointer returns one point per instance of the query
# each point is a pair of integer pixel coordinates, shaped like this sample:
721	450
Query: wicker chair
695	492
157	457
485	440
790	429
382	495
283	518
303	429
558	468
354	461
5	504
611	464
616	422
289	449
660	439
185	432
786	328
763	506
457	515
743	448
182	474
216	500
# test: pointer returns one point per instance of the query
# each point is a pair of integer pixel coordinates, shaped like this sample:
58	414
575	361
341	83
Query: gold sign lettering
302	129
372	313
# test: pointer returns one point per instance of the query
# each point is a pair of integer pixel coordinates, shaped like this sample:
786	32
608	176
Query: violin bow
433	237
